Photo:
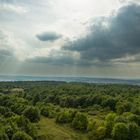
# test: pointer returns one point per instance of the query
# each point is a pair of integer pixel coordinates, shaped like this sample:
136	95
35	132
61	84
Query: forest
42	110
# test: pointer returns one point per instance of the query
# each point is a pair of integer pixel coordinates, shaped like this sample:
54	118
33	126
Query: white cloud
14	8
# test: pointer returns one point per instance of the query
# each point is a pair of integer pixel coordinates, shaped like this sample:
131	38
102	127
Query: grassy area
54	131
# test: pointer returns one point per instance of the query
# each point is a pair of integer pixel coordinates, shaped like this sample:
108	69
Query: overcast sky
70	38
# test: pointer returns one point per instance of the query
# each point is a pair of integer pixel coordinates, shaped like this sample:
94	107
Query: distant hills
70	79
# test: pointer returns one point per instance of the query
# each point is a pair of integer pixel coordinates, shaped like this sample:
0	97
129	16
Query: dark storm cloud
118	38
48	36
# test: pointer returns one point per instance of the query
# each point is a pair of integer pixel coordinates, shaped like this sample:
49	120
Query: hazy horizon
90	38
66	76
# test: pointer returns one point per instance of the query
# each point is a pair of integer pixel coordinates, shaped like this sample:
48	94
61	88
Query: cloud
54	57
10	47
58	61
48	36
129	59
111	38
5	55
6	51
53	60
12	6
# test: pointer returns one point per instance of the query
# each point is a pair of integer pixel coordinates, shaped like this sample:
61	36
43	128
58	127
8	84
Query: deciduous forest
69	111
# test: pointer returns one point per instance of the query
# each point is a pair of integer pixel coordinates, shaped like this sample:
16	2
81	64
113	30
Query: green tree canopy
120	132
32	113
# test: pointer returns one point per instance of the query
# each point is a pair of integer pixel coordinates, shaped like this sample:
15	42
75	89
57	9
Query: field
60	131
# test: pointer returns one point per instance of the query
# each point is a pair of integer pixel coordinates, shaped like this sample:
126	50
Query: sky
97	38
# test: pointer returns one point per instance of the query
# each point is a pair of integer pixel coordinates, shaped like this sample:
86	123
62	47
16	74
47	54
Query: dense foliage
101	111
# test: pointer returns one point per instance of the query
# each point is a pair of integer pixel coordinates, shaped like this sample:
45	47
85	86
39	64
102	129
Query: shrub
120	131
98	134
63	117
32	113
80	121
21	136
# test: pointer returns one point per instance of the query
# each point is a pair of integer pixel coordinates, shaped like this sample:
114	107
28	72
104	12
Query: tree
65	116
120	119
109	123
110	102
120	109
101	132
134	131
36	98
32	113
134	118
3	136
45	111
21	136
25	125
123	107
120	131
80	121
9	131
91	125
